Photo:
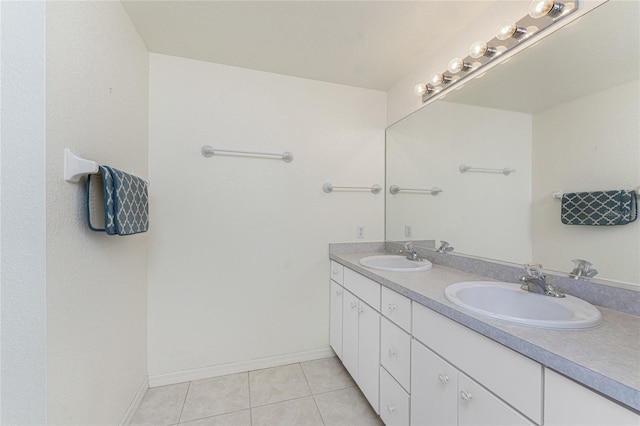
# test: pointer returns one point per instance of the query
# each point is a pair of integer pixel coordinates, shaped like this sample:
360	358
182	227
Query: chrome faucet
535	281
410	252
444	247
583	269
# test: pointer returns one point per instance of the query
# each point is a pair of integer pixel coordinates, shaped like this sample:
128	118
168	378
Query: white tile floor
317	392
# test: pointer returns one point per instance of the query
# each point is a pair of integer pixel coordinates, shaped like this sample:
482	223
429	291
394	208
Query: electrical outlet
407	231
360	231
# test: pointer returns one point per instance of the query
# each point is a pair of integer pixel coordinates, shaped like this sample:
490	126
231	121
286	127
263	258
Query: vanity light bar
542	14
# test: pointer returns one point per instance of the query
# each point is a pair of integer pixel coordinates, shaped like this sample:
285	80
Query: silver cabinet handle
334	272
391	408
354	305
392	307
392	352
444	379
465	396
338	292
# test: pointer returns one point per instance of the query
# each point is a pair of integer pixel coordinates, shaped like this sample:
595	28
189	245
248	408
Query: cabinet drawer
397	308
478	407
364	288
513	377
395	352
394	401
569	403
337	272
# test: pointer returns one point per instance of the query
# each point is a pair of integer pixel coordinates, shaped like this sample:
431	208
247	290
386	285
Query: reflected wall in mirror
564	113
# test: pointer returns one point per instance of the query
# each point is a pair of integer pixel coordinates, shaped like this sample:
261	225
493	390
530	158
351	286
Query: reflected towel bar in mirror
466	168
327	187
394	189
209	151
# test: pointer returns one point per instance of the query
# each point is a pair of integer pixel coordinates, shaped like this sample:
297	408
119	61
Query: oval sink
509	302
390	262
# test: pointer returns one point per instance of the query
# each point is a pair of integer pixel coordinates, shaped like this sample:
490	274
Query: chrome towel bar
466	168
209	151
394	189
327	187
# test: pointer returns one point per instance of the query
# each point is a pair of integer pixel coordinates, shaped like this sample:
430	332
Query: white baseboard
236	367
135	403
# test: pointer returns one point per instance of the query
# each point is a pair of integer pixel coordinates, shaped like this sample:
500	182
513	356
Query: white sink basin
390	262
509	302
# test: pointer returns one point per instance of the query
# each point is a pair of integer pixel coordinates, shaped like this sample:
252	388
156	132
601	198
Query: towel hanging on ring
599	208
117	202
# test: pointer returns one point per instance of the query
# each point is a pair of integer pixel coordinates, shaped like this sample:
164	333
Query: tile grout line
313	395
184	402
250	402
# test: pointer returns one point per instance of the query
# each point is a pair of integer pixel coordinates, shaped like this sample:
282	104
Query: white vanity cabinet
443	396
512	377
568	403
361	333
335	316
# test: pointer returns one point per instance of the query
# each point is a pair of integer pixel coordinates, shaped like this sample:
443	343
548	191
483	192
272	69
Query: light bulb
420	89
540	8
456	65
480	49
438	78
506	30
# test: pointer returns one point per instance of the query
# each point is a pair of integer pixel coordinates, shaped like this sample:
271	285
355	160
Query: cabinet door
568	403
478	407
395	352
350	333
394	401
335	325
434	389
369	353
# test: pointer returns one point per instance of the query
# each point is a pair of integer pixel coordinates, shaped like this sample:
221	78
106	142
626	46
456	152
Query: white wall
475	212
22	214
97	105
575	150
238	268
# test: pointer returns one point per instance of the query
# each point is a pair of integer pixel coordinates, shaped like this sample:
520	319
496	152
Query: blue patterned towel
117	202
599	208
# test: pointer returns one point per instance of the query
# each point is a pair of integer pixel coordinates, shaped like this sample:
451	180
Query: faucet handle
534	270
444	244
408	245
585	265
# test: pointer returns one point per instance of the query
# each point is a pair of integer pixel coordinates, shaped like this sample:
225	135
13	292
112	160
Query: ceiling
370	44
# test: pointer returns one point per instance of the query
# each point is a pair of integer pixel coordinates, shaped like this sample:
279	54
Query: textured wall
238	267
97	105
22	214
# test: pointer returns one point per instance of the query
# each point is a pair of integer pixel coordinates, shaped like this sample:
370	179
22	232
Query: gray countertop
605	358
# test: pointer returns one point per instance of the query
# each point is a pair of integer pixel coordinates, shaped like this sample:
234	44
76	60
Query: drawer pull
392	307
391	408
335	272
338	292
361	310
465	396
354	305
392	352
444	379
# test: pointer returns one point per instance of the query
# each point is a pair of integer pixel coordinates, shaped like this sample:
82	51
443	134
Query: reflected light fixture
541	15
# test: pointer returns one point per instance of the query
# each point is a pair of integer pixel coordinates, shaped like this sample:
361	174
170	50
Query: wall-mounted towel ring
75	168
327	187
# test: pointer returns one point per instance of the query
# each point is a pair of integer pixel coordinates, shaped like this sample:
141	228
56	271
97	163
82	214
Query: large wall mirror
565	114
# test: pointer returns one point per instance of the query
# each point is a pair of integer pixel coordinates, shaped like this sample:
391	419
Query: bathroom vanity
421	360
